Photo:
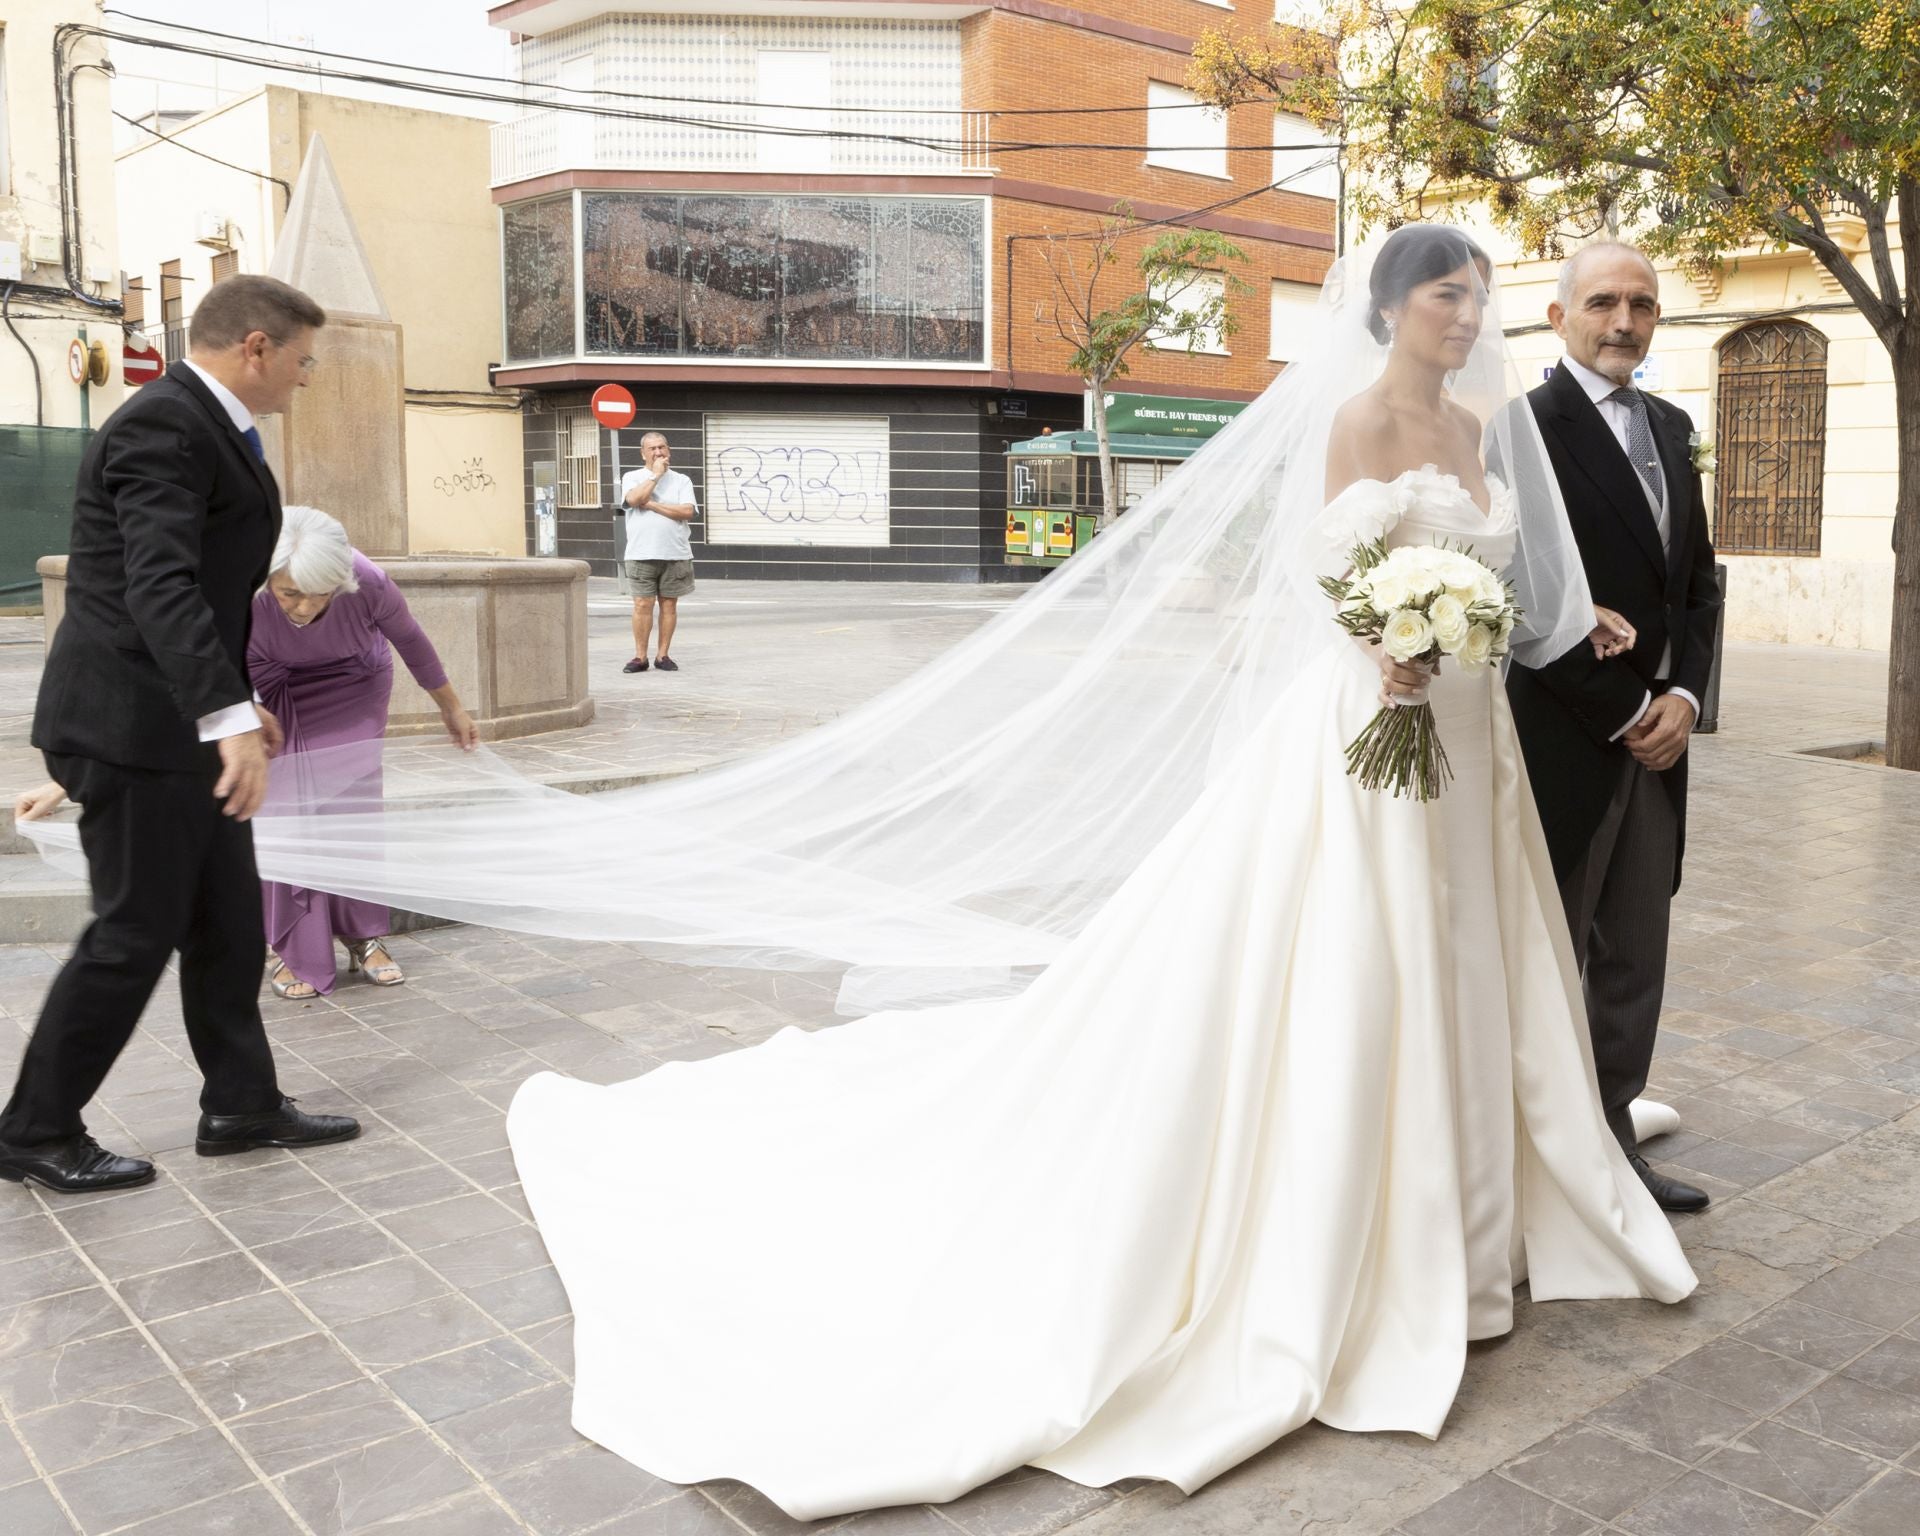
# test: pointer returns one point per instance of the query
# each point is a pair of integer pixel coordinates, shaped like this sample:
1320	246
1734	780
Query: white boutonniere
1700	450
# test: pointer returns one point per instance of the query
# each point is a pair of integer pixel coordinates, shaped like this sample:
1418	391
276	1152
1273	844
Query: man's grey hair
314	552
234	308
653	437
1570	268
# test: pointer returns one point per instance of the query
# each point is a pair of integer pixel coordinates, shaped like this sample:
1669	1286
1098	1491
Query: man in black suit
146	718
1605	741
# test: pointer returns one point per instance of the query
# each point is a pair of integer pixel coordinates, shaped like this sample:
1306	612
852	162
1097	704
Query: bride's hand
1402	683
1612	635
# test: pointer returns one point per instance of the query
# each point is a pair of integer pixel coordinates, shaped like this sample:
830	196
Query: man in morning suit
146	718
1605	741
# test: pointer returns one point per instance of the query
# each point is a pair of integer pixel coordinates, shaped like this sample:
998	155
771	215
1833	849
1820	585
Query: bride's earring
1392	326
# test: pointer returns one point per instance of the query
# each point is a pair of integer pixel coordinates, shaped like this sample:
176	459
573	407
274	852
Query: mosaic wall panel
887	77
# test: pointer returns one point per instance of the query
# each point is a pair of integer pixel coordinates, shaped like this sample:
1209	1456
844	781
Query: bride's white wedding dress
1271	1141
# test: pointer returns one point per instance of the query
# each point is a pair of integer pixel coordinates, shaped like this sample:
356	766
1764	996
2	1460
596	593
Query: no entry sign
141	365
613	407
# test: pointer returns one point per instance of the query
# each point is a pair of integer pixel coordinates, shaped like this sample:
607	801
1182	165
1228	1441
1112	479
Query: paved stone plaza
371	1335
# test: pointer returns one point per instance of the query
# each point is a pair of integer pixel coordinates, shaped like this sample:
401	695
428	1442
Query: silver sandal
388	975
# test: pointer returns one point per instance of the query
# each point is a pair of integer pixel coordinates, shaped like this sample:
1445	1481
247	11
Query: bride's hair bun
1414	254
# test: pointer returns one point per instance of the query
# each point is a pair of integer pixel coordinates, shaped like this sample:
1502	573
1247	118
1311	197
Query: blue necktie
252	435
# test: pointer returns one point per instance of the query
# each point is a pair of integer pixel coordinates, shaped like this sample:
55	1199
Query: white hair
1570	268
314	552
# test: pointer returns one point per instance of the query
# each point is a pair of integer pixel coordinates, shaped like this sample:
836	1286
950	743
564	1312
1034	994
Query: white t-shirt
654	535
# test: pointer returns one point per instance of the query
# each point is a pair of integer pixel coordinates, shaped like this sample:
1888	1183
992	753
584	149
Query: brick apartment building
806	240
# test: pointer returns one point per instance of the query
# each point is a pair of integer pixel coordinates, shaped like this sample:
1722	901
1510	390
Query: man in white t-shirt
659	553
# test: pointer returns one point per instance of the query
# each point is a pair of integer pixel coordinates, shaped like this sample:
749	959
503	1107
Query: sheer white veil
948	837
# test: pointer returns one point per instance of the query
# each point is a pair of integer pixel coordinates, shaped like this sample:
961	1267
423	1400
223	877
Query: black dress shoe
222	1135
1668	1194
638	664
76	1165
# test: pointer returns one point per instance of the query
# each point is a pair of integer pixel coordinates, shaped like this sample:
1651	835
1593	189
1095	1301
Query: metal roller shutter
778	479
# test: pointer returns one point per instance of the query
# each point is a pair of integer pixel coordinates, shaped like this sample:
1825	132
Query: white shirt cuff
1681	693
234	720
1638	715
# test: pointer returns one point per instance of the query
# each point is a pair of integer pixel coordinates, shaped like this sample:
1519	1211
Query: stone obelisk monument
342	446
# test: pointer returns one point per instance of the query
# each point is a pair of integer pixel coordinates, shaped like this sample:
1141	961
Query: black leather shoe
1668	1194
222	1135
78	1165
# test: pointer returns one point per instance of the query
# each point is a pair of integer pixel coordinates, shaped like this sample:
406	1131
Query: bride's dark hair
1414	254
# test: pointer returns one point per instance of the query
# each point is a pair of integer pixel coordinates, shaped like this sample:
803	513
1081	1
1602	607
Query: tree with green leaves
1174	306
1698	128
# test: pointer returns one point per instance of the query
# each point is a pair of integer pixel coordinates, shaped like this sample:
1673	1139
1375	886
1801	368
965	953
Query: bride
1250	1095
1274	1135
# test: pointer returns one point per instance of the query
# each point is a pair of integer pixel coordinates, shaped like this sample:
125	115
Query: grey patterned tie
1640	448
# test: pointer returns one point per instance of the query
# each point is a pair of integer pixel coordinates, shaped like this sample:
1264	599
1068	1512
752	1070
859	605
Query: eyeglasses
307	360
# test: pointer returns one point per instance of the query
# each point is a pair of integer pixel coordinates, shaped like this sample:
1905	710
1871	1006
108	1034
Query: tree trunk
1109	492
1903	678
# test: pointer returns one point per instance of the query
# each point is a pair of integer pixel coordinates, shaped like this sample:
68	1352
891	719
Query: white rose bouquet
1422	602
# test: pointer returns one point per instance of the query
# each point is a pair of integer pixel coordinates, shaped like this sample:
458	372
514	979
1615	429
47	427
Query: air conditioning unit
211	229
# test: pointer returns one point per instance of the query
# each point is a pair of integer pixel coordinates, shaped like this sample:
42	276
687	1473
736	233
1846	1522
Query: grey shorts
660	578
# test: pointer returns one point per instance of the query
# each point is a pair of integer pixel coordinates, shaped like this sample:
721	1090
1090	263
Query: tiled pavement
371	1334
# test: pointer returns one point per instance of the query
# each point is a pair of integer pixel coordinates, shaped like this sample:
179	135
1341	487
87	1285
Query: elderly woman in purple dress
324	630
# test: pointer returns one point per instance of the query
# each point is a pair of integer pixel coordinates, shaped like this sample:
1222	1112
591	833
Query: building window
577	441
173	311
794	84
840	278
536	257
1189	296
1303	160
797	480
1182	135
1289	313
134	298
1771	440
225	264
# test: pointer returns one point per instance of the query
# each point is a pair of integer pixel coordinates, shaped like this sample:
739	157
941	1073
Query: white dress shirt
235	719
1617	415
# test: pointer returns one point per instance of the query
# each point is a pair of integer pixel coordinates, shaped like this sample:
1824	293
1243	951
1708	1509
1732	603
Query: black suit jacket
174	523
1567	711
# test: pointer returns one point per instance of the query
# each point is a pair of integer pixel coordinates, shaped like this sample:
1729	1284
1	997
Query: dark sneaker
77	1165
638	664
667	664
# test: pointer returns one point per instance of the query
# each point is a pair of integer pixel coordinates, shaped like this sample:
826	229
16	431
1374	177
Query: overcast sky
445	34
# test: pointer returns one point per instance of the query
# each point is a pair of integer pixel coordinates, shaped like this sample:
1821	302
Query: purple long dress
328	684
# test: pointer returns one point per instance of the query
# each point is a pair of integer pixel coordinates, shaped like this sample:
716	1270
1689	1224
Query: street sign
77	361
1166	416
141	365
613	407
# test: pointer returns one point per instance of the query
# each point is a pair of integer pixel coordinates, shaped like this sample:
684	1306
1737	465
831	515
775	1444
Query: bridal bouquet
1421	602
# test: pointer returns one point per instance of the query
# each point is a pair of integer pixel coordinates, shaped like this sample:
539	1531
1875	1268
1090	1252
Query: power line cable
590	90
931	142
166	138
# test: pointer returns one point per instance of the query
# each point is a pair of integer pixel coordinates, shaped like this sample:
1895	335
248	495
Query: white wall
31	207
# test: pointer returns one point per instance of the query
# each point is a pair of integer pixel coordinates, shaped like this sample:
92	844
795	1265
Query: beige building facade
210	201
1795	395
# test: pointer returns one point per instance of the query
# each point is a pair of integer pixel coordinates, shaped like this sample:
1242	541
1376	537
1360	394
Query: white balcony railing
741	139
